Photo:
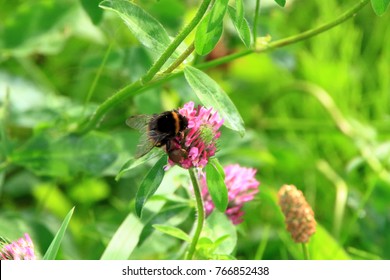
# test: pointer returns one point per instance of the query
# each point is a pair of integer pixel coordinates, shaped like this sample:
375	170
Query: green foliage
144	27
205	39
150	184
281	2
217	14
380	6
134	162
241	25
125	239
212	95
218	239
215	177
173	231
316	115
45	34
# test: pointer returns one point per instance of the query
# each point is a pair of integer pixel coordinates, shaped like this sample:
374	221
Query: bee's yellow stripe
177	122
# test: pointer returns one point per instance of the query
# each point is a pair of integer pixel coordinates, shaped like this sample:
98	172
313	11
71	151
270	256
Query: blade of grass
52	251
124	240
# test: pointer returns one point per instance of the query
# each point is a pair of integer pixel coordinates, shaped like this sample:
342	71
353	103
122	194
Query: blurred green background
316	113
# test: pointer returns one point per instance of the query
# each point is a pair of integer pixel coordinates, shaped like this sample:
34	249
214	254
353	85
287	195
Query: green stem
180	59
176	42
201	214
305	251
256	21
97	77
341	195
263	244
128	91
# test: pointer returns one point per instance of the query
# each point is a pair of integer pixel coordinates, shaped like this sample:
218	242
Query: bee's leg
168	146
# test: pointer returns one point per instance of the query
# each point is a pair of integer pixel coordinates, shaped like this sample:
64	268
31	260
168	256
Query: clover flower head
299	216
22	249
198	141
242	187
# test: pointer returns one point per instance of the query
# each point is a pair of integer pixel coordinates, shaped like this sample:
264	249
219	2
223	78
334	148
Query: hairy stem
176	42
180	59
201	213
128	91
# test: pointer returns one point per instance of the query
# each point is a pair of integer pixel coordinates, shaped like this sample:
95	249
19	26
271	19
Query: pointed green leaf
173	231
332	250
150	184
380	6
145	28
281	3
215	177
205	40
52	251
212	95
134	162
222	232
124	240
241	26
173	215
217	13
240	12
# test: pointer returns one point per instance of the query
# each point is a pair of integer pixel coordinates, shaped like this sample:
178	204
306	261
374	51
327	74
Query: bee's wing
144	146
148	139
139	122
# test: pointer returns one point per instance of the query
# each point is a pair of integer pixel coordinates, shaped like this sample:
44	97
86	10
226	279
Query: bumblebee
157	130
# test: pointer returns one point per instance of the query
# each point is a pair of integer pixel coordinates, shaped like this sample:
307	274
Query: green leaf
239	13
222	232
215	177
173	231
241	26
205	40
134	162
91	7
145	28
52	251
281	3
124	240
380	6
174	215
150	184
217	13
332	251
212	95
